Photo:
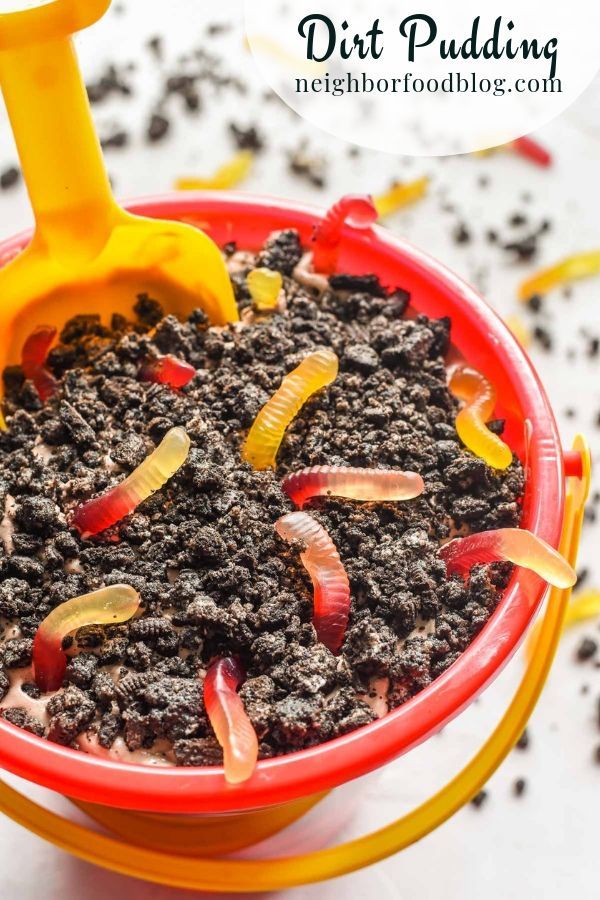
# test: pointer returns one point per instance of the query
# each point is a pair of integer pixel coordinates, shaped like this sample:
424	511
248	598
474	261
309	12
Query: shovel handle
57	19
53	128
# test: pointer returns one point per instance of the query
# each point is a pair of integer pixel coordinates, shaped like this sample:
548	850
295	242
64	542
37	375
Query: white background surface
544	844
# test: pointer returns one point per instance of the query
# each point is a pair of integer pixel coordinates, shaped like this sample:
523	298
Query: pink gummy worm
514	545
351	483
358	210
170	370
229	719
33	360
330	581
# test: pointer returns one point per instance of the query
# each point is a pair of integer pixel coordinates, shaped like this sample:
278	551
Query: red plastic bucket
487	344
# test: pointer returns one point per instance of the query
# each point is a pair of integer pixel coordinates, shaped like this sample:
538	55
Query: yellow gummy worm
519	330
264	286
480	397
227	176
582	265
261	44
315	372
399	195
584	607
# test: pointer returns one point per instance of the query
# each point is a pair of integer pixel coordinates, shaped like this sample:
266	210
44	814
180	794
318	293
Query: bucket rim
301	773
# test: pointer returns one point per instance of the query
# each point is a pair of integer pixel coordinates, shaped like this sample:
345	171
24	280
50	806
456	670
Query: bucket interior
488	345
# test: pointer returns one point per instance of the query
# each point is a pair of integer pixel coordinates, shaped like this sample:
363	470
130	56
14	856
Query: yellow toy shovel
87	254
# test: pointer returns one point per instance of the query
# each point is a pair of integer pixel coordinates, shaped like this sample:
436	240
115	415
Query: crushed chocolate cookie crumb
307	165
213	576
461	234
587	649
519	787
247	138
479	799
115	140
157	128
9	177
112	81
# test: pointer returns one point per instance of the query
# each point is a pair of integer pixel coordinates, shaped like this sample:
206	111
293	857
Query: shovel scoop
87	254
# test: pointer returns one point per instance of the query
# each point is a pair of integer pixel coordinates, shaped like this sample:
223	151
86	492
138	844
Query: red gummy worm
515	545
378	485
530	149
151	475
330	581
33	360
176	373
356	209
234	730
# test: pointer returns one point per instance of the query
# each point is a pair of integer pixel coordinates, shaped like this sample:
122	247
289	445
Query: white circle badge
430	79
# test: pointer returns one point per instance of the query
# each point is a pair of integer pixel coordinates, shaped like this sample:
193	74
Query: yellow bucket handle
243	876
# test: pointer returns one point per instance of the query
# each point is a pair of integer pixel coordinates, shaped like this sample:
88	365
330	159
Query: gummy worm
532	150
100	513
585	606
316	371
358	210
227	176
33	361
399	195
480	397
519	330
514	545
354	484
264	286
176	373
297	64
330	581
230	722
109	605
581	265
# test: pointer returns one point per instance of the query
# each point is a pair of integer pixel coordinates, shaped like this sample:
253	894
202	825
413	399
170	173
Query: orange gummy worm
100	513
330	581
515	545
316	371
480	397
351	483
109	605
264	286
233	729
582	265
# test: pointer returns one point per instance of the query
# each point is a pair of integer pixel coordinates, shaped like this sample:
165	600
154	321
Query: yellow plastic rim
244	876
